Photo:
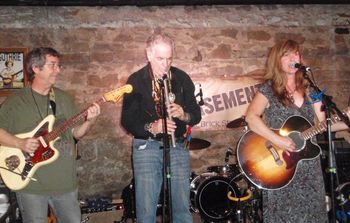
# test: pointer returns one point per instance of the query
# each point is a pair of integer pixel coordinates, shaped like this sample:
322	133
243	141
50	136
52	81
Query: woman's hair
277	76
156	38
37	57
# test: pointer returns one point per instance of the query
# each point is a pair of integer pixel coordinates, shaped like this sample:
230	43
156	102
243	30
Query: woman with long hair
285	93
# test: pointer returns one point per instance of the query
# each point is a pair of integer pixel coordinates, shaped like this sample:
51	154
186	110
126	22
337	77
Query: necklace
156	91
37	106
290	94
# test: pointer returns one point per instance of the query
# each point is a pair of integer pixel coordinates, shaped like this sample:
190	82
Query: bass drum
209	197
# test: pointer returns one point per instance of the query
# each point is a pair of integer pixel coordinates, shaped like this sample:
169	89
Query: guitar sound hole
298	140
12	162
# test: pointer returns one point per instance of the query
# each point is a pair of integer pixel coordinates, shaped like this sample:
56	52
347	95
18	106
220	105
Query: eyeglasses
54	65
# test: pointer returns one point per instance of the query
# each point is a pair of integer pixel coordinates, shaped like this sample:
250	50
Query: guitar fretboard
320	127
69	123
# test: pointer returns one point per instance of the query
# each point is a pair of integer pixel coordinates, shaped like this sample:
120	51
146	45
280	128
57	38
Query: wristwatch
148	128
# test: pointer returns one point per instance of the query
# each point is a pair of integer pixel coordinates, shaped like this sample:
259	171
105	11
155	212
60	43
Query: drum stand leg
240	215
253	210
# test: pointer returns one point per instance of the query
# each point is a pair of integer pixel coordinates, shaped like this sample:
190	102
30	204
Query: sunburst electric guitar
17	168
268	166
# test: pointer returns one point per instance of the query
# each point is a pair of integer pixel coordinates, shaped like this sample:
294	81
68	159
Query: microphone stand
328	106
166	155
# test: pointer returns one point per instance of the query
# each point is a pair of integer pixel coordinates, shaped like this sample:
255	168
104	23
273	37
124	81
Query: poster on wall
225	100
12	72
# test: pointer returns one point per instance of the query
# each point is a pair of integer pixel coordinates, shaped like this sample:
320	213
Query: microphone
228	153
201	102
300	66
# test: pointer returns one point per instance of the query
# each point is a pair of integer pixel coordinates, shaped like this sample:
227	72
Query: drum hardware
9	210
343	198
197	144
239	199
237	123
229	153
240	213
252	207
227	170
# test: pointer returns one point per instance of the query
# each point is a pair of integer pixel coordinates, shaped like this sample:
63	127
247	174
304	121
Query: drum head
212	201
226	170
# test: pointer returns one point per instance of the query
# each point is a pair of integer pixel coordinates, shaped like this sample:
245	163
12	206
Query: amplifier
341	147
342	158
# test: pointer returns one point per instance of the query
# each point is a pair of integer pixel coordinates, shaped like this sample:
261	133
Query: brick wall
103	45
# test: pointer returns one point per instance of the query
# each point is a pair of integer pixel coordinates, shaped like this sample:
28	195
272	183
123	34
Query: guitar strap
52	101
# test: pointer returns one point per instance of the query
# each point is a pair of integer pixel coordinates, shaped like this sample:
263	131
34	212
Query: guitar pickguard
300	143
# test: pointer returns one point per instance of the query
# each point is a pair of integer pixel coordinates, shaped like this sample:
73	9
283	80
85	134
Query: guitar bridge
274	153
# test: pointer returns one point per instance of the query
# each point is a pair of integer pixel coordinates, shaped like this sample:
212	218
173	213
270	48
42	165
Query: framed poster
12	72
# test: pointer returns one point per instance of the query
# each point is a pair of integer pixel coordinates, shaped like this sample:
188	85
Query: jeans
34	207
148	173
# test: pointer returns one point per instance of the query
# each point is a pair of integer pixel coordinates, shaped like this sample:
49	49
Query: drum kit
222	194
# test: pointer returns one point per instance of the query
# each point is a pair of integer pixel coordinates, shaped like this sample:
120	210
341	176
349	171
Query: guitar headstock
117	94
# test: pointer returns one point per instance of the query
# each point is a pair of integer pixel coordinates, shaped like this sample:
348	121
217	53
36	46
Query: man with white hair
142	118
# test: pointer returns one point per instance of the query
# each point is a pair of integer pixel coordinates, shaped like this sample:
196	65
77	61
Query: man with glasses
56	182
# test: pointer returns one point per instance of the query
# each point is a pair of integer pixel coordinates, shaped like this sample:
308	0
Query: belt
159	138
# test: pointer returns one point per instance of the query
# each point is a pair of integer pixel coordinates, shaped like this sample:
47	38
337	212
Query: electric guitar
17	168
268	166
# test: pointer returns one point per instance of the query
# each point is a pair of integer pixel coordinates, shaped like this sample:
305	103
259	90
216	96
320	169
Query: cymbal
196	144
239	122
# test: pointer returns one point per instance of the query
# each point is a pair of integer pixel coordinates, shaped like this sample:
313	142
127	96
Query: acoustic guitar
268	166
18	168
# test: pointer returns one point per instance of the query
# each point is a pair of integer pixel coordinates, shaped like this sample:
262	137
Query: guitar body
24	166
268	166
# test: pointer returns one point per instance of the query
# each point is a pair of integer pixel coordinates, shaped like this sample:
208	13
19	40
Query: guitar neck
114	96
69	123
319	128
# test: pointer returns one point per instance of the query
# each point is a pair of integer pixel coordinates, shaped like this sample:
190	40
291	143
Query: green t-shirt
21	113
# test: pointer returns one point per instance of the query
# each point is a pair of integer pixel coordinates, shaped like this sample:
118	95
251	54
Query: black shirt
139	107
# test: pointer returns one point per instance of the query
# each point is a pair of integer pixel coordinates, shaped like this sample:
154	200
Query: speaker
342	158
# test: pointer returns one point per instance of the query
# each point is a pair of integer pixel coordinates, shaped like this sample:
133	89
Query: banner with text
225	100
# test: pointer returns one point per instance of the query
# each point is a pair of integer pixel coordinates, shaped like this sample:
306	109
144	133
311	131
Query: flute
169	98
